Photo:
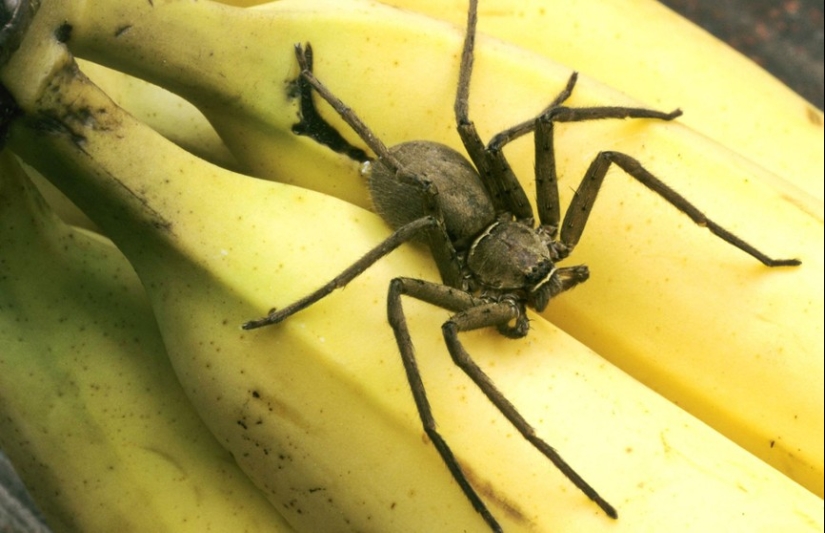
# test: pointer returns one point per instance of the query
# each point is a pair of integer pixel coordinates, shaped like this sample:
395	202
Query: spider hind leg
471	313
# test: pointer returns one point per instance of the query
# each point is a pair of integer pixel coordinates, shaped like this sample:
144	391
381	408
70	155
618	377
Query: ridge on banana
293	404
645	259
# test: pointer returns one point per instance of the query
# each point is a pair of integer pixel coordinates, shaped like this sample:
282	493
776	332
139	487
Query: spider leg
505	191
471	313
514	132
304	57
581	114
448	298
547	183
439	242
480	317
400	236
559	113
547	190
313	125
582	204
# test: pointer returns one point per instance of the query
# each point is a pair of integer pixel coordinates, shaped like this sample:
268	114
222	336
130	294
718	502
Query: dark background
784	36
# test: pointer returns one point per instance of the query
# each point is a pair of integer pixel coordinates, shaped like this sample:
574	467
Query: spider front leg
311	123
439	242
514	132
403	234
471	313
547	188
582	204
501	183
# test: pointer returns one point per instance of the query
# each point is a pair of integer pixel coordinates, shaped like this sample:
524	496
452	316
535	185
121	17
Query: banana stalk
169	114
323	422
90	410
685	313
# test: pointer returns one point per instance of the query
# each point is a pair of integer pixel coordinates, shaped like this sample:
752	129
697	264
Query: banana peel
169	114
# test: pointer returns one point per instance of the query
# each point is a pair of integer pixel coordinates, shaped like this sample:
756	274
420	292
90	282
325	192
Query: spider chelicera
493	259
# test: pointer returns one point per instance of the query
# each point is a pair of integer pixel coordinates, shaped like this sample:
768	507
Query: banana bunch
241	89
323	423
90	410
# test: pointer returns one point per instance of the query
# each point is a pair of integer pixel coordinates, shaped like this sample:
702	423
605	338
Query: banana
633	45
649	306
322	421
90	411
172	116
638	62
59	203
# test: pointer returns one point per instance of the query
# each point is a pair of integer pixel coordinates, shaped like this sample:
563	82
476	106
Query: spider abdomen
462	198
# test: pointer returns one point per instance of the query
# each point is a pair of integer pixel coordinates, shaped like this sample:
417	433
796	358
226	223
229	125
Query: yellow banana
90	410
638	62
657	57
651	305
634	45
172	116
322	421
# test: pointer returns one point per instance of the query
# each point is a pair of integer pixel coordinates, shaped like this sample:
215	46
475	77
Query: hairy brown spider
476	219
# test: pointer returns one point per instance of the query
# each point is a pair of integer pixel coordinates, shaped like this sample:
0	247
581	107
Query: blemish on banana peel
801	202
279	409
814	116
666	448
63	33
489	493
167	458
9	110
66	111
311	124
51	125
123	29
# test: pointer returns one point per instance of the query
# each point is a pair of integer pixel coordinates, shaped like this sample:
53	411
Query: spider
493	259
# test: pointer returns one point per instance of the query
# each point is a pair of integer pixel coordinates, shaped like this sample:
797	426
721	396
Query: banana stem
80	123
